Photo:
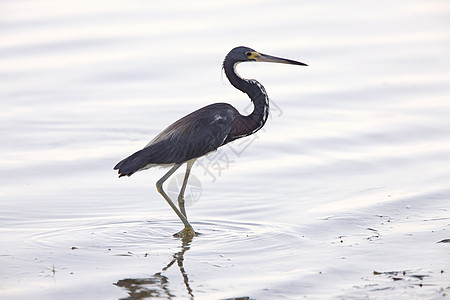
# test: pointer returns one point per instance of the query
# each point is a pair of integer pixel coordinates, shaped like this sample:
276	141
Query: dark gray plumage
204	130
192	136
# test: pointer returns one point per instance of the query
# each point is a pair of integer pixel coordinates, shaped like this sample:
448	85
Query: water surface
343	194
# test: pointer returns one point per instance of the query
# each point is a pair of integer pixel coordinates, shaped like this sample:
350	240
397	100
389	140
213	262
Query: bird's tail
132	164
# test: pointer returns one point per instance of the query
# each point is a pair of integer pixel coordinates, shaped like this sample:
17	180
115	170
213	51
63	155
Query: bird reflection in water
158	285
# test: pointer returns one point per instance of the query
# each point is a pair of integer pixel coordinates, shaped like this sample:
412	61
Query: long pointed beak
274	59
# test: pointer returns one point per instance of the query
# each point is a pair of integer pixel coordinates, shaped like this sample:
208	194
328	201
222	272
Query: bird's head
243	54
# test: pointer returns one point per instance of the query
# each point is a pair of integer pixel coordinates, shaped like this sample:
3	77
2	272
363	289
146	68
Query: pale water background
344	194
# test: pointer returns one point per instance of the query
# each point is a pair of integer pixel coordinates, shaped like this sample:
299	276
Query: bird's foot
186	233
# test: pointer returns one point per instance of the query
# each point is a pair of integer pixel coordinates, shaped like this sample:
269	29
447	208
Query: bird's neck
256	120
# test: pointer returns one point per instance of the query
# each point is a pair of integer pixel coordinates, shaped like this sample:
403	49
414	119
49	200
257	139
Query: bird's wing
192	136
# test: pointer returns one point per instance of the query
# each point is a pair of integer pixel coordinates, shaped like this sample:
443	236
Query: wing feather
192	136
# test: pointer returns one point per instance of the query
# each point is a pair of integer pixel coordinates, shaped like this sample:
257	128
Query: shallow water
343	194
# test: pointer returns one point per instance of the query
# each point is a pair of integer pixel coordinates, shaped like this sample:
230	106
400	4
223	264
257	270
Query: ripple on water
99	233
247	237
229	236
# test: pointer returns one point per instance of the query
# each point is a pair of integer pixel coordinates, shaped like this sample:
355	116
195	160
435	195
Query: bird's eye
248	53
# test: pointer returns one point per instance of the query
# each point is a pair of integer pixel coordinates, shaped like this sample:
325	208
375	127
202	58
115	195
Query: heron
204	130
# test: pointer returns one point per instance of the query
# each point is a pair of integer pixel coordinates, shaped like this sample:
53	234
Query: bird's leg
159	186
183	187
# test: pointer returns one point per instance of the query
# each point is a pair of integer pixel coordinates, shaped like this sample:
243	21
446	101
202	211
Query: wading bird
204	130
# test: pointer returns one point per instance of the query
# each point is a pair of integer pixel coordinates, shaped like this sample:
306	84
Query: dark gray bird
204	130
